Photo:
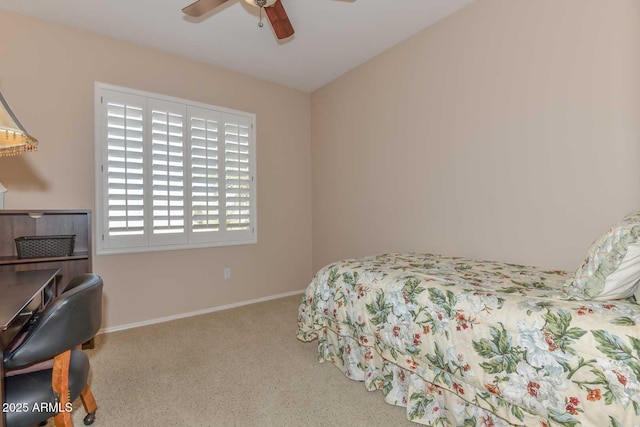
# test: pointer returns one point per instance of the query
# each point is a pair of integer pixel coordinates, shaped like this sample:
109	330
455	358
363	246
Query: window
171	174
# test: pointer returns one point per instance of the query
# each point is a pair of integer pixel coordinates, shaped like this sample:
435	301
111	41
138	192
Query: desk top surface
18	288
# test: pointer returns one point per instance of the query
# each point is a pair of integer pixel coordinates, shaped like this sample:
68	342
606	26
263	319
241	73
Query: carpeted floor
239	367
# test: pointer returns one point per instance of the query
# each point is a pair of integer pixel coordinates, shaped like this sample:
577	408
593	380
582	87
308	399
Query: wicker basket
45	246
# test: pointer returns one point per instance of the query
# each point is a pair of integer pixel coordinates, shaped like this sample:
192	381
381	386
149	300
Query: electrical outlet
227	273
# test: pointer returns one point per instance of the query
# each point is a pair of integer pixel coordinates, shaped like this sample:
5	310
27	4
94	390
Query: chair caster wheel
89	419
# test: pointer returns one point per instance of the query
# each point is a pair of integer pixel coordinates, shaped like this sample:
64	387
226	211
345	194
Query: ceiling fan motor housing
261	3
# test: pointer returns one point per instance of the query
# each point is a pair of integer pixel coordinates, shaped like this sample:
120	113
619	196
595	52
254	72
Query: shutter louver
125	172
205	180
167	170
237	176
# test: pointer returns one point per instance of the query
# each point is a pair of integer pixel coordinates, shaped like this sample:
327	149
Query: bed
462	342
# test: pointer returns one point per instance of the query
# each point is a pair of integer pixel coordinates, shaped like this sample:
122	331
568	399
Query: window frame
148	241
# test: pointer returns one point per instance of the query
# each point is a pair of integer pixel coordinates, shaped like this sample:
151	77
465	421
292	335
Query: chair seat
30	391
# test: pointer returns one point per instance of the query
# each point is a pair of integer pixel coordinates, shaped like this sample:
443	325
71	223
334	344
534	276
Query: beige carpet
239	367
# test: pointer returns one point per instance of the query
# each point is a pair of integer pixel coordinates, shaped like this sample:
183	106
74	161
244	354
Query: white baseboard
195	313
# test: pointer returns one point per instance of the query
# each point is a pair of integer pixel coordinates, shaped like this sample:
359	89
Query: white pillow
623	282
611	269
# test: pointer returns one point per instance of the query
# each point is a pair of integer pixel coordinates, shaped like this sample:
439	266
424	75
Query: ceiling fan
273	8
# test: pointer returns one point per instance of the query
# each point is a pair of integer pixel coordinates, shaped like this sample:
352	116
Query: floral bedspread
466	342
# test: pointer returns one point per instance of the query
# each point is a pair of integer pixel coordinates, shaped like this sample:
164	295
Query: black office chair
77	281
46	371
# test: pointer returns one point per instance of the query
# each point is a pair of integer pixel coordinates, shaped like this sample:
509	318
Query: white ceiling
332	36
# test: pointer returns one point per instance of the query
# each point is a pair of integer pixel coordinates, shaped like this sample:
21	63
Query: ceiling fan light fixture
266	3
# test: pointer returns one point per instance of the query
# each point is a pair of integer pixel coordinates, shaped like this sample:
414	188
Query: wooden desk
22	293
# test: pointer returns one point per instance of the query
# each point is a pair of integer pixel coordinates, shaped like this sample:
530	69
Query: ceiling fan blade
279	20
201	7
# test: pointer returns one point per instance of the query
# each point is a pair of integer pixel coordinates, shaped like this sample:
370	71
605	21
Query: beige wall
48	72
508	131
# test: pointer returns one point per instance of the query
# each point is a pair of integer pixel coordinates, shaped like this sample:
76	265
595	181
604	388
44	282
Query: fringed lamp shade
14	139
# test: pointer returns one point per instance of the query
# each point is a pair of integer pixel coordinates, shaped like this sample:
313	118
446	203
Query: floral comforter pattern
476	343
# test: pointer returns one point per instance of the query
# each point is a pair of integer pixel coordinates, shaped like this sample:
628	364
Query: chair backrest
78	280
69	320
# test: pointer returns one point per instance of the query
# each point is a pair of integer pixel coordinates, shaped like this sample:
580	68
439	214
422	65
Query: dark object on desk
31	379
45	246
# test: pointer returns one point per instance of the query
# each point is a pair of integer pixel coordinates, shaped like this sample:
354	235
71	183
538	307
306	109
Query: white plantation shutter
123	169
237	176
167	171
205	174
172	174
